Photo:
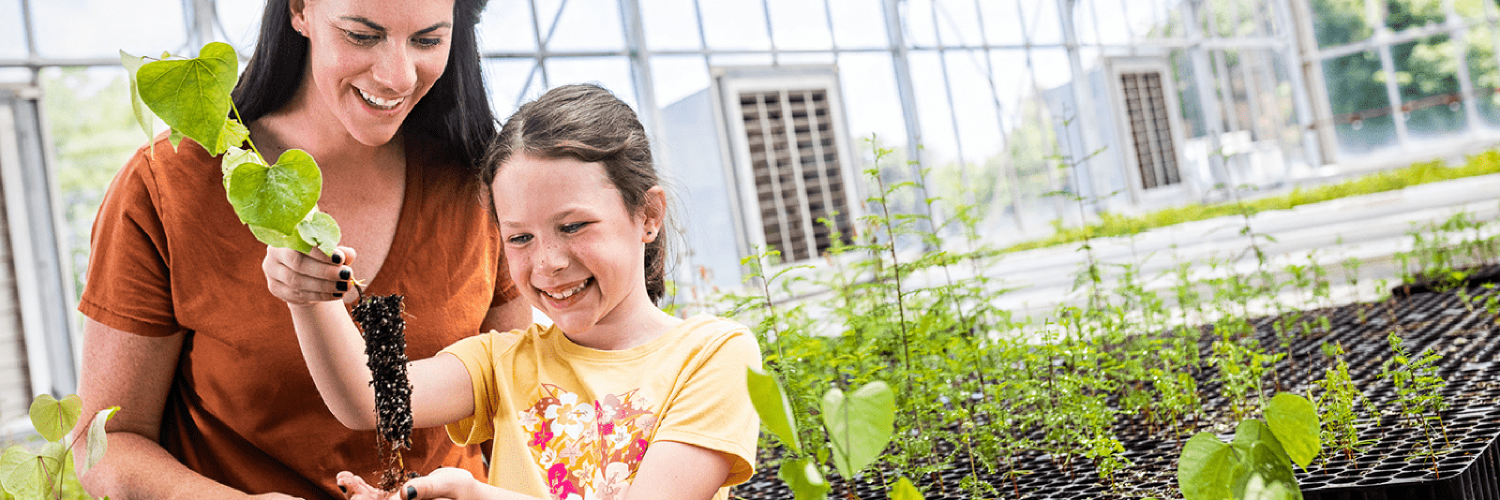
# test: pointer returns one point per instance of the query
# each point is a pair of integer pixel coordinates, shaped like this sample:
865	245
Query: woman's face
370	61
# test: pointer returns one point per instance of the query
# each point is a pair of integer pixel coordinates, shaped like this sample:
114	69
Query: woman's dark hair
456	110
590	124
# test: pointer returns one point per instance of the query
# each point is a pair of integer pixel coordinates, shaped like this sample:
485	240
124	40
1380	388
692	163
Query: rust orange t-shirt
169	255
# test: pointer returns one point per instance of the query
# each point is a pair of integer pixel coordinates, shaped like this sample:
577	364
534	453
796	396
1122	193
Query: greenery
47	471
1257	463
1110	224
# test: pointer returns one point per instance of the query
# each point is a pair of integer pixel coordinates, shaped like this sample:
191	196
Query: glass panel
95	28
1187	96
958	23
858	23
511	82
1472	10
868	84
735	25
1100	22
612	73
1430	93
917	23
800	24
1001	24
677	77
507	27
1337	22
240	22
12	32
583	26
15	75
1361	111
939	146
978	126
1404	14
670	24
807	58
1041	19
1485	75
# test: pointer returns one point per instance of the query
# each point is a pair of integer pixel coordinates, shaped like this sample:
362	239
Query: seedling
28	473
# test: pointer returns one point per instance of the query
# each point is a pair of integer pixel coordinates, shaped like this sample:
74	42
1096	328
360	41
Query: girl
615	400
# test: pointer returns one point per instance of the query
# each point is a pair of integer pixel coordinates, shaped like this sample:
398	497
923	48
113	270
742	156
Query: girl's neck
627	331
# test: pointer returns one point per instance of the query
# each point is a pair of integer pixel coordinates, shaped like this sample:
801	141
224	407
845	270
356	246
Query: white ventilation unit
791	161
1145	99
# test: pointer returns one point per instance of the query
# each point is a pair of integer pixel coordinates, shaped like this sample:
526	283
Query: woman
181	332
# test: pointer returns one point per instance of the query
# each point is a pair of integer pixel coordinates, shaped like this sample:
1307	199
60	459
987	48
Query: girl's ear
655	212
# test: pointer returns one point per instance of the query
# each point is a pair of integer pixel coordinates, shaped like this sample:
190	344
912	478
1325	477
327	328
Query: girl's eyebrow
377	27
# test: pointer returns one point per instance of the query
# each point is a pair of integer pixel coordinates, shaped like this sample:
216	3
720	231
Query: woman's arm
335	350
136	373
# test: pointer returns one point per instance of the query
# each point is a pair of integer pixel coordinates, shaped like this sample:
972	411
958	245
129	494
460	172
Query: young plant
1340	401
277	202
48	473
1257	463
1418	392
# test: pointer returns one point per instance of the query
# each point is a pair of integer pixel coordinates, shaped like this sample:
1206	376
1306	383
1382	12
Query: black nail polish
338	258
345	274
342	286
411	493
343	489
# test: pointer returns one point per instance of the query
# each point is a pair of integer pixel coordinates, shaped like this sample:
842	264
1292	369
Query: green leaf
1203	470
234	157
859	426
279	196
233	135
279	239
25	475
175	138
52	418
771	404
1294	421
98	441
1268	476
143	115
319	230
1252	432
904	490
192	95
803	478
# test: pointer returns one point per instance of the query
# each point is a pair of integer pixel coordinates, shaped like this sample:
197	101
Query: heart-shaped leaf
234	157
279	196
1267	476
803	478
771	404
143	115
1203	469
233	135
24	474
192	95
904	490
1294	421
319	230
279	239
53	418
859	425
98	441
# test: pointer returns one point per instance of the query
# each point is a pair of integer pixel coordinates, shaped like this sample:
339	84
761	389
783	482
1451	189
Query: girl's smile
574	248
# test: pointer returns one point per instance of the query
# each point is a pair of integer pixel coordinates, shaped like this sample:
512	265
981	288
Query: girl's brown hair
590	124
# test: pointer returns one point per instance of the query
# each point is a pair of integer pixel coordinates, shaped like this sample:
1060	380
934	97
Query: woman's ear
299	18
655	212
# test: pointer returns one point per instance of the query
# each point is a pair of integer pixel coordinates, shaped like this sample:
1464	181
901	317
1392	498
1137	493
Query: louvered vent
1150	128
795	164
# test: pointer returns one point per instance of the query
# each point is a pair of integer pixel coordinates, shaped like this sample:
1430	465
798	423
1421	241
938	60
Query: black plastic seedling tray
1391	467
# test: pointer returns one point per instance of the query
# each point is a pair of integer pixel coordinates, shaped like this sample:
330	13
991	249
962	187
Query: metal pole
1208	104
907	91
1309	91
1460	30
1375	16
1086	116
1007	166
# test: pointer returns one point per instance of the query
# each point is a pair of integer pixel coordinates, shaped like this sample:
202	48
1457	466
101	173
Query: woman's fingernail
343	489
338	257
345	274
411	493
342	286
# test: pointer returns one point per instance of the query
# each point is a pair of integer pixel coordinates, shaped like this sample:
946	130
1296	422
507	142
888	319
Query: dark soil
380	319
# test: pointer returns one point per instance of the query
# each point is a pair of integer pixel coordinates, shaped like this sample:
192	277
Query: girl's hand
305	278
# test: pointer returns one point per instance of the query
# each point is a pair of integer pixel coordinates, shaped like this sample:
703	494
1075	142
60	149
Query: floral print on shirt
589	450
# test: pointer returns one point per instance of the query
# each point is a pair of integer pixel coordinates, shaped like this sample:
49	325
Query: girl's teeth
569	293
378	102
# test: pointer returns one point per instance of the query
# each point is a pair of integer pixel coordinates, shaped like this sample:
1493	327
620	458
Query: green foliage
1339	400
859	425
31	473
191	95
1257	462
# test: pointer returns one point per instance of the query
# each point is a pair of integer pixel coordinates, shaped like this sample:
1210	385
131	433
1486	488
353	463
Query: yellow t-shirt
572	423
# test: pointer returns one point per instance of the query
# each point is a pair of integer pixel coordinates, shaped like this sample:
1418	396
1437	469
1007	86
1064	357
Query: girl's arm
335	350
679	471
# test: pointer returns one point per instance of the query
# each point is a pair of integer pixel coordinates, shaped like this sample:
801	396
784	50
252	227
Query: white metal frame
1140	196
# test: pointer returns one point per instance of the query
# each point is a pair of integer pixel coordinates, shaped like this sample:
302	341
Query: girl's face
370	61
574	249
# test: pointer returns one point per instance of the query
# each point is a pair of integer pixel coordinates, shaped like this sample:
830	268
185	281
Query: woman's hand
449	482
355	488
306	278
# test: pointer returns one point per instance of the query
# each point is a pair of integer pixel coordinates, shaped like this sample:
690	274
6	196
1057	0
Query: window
1150	128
